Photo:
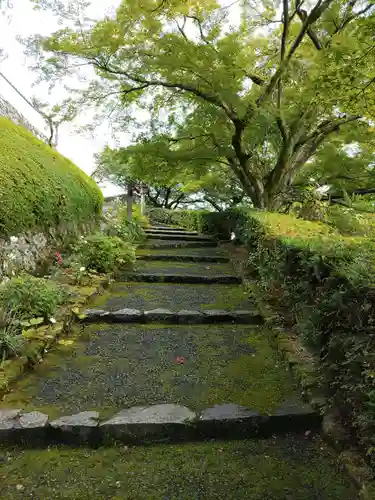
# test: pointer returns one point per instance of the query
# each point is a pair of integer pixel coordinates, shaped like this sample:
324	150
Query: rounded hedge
39	188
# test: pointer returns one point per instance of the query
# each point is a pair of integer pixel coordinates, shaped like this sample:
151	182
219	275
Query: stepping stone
18	426
158	422
94	315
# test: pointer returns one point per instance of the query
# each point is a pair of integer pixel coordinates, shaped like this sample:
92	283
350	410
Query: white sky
24	21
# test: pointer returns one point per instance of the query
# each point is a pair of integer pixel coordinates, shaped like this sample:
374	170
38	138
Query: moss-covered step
180	257
178	236
166	316
181	232
168	243
117	367
181	272
204	254
147	296
291	467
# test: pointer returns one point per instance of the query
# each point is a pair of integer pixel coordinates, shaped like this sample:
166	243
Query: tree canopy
260	93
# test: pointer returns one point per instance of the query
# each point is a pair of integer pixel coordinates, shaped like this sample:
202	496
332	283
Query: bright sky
24	21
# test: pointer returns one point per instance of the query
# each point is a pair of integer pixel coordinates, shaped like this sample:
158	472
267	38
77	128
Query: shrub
10	339
104	254
29	297
325	284
118	224
39	188
218	224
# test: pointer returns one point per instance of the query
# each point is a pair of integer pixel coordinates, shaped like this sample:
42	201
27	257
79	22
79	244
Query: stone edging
44	337
163	422
166	316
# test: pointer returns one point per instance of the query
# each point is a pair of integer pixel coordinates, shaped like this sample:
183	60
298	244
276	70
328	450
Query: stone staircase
168	389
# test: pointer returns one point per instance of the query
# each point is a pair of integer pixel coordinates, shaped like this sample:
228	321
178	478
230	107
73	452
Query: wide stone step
168	243
166	316
178	236
182	257
170	277
164	232
153	424
108	368
176	297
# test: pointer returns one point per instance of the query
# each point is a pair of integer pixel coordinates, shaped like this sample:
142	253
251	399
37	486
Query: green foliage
29	297
323	283
118	224
210	100
349	221
10	339
104	254
39	188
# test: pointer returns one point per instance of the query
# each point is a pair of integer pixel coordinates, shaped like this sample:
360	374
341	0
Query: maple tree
259	96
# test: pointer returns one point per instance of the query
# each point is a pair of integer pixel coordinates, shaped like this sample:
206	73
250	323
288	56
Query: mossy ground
274	469
146	296
121	366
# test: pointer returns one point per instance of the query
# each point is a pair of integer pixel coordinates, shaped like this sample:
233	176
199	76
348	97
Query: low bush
218	224
104	254
324	283
11	341
28	297
118	224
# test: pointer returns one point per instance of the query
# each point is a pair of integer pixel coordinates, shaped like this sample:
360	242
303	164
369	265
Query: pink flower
180	360
59	259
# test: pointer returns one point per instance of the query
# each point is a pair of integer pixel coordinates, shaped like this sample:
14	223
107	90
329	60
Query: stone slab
164	422
160	315
126	316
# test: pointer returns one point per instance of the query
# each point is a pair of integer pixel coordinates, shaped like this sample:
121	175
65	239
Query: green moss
39	188
256	470
117	367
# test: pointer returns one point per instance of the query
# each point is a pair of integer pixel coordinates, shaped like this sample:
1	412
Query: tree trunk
129	201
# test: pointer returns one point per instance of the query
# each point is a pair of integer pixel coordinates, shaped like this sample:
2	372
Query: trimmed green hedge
218	224
39	188
324	283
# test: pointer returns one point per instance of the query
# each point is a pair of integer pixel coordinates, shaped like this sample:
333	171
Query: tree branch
314	15
302	14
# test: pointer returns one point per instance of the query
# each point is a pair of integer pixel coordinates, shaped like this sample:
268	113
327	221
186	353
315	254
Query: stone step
166	316
168	243
178	236
183	257
176	297
166	228
153	424
171	232
168	277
